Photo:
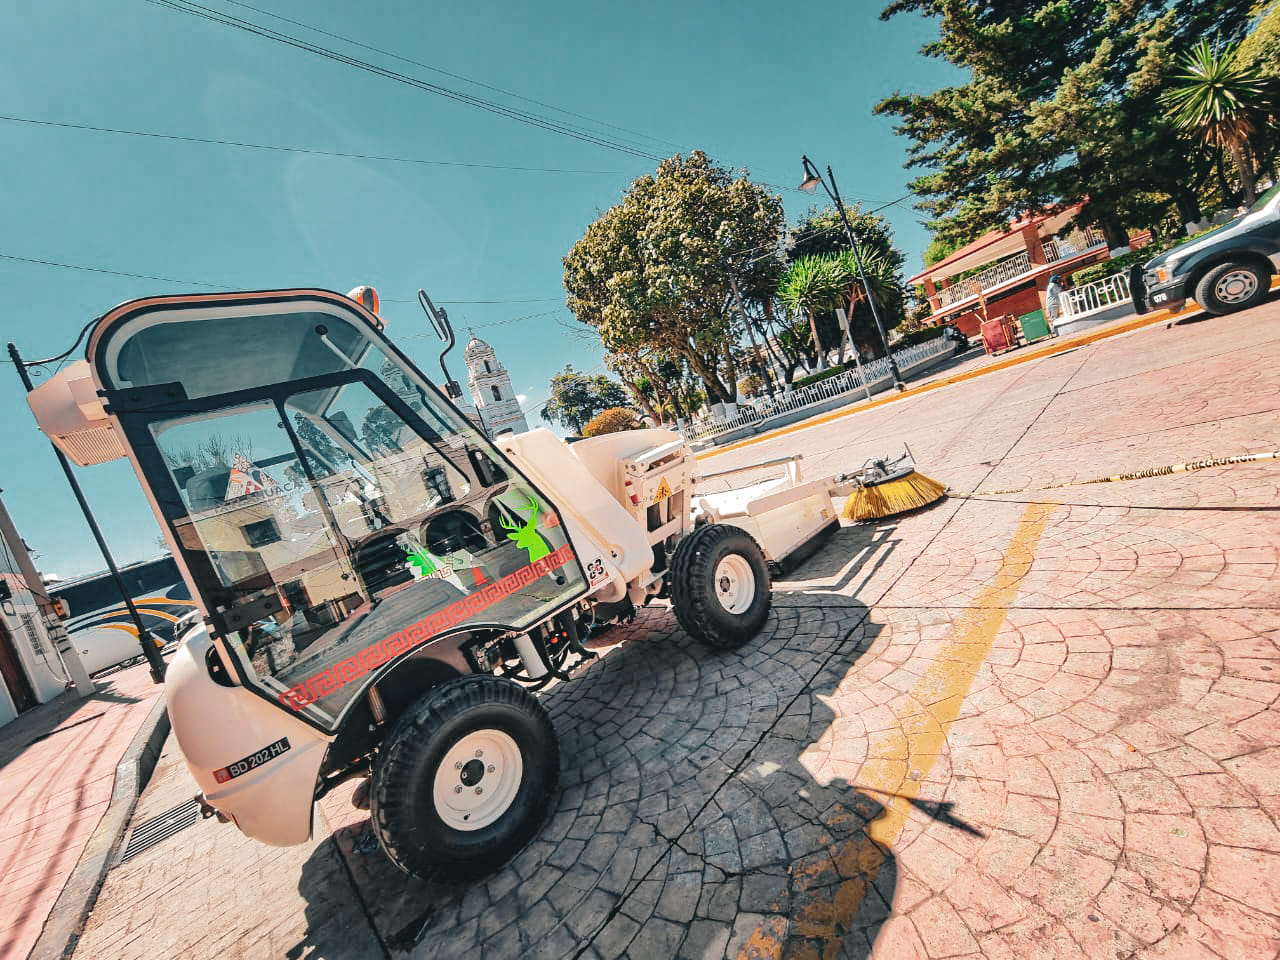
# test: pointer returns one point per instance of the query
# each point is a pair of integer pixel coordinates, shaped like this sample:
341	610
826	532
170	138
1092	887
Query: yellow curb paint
1079	340
897	764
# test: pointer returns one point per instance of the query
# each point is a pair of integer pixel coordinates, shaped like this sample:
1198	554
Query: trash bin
1034	326
999	334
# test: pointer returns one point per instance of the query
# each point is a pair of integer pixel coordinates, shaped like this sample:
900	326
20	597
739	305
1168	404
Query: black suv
1225	270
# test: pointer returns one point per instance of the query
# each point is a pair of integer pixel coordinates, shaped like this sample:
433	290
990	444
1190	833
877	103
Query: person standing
1053	300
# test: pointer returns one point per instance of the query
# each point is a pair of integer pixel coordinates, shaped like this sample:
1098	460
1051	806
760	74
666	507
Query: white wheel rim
735	583
477	780
1236	286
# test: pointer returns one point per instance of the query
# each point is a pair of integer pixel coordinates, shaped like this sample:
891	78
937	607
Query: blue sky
754	85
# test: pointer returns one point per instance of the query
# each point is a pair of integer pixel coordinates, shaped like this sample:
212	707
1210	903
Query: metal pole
834	193
871	297
149	649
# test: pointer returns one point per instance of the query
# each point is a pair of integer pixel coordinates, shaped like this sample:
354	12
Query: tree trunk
1244	166
1113	231
641	399
817	345
716	391
1188	206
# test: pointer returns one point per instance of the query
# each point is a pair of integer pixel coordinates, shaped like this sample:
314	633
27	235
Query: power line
67	125
446	73
222	286
544	123
114	273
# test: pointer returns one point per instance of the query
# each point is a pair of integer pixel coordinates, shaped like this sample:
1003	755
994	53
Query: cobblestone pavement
1030	725
59	764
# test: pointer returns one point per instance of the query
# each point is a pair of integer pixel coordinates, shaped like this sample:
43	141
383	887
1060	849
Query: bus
99	623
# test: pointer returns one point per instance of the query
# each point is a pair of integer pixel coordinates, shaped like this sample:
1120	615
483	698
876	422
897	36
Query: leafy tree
577	397
1059	106
613	420
652	273
1222	102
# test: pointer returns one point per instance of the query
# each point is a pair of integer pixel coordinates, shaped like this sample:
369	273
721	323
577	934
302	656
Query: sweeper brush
885	488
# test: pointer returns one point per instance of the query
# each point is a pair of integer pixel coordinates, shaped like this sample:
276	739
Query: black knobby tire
423	821
720	614
1229	287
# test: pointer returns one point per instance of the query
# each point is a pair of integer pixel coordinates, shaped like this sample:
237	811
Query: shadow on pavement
687	821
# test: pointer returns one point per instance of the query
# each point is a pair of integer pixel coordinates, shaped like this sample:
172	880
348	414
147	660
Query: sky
469	203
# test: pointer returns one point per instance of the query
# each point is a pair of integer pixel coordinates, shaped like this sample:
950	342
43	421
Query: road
1035	725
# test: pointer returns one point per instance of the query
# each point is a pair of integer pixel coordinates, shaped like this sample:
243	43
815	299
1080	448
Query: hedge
613	420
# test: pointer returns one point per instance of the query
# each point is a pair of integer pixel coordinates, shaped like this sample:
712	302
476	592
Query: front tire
464	779
1229	287
720	586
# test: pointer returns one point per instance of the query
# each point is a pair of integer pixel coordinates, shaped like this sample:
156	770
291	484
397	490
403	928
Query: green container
1034	326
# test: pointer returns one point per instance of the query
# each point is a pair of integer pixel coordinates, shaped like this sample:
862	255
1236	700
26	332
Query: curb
74	904
1081	338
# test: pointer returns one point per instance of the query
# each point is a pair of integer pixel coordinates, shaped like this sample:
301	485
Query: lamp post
811	180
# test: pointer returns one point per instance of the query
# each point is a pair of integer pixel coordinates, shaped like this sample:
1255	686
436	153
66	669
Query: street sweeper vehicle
382	584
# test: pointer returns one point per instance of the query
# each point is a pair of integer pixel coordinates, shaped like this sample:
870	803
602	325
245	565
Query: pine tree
1061	106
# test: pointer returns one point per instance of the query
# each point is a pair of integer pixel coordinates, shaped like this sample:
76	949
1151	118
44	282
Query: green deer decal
526	535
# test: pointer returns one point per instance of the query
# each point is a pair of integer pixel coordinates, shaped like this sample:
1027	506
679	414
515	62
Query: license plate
1159	298
252	762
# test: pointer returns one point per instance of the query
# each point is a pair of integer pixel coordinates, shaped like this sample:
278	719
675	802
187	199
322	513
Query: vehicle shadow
689	819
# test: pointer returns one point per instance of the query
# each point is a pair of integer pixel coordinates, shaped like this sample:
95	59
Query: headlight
1165	272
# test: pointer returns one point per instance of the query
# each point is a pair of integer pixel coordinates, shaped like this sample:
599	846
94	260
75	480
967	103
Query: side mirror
444	330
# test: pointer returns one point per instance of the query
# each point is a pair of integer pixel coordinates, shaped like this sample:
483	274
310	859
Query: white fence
766	408
1091	298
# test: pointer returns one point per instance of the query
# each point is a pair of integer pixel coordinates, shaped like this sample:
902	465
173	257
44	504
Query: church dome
476	348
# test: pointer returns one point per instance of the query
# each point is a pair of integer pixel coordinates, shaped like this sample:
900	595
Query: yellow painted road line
829	890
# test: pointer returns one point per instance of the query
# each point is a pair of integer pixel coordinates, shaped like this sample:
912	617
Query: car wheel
465	778
720	585
1229	287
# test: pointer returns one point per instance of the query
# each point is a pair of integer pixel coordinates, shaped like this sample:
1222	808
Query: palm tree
881	277
1222	101
811	284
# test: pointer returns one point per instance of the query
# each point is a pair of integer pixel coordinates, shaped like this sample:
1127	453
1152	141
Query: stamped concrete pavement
1026	725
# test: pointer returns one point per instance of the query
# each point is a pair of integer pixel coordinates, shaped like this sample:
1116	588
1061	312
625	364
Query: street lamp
811	181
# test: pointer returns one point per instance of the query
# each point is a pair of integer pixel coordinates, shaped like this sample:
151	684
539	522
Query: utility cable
66	125
446	73
221	286
544	123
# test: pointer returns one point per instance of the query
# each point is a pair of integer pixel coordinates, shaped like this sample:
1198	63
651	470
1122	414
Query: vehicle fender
1200	264
253	761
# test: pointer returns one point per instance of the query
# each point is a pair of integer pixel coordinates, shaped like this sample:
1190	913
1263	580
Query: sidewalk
57	773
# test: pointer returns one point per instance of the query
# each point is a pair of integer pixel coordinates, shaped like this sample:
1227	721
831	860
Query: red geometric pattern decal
353	668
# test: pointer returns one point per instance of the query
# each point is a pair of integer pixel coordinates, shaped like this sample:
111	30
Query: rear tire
1229	287
720	586
464	779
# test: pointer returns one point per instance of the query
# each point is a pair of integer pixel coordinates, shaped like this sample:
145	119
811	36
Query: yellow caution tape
1188	467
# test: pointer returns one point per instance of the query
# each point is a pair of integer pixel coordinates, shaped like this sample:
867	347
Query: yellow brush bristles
892	497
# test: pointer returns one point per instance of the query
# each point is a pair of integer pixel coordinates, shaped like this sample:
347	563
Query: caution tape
1188	467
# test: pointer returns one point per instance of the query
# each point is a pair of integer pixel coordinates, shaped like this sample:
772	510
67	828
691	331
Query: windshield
347	518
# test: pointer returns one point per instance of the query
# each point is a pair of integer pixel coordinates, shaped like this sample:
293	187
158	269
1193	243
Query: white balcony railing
1016	266
993	276
1078	243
